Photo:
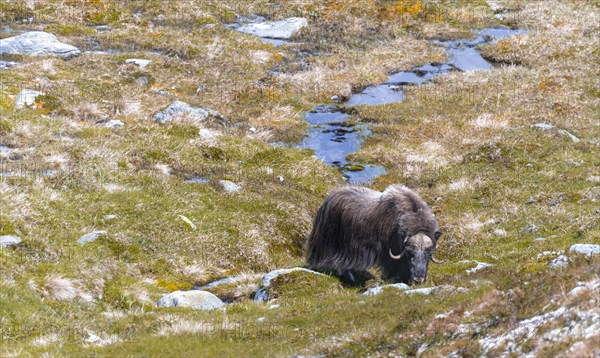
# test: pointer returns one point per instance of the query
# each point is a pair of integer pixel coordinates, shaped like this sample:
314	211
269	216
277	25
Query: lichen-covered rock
282	29
26	98
179	108
138	61
7	240
196	299
37	43
585	249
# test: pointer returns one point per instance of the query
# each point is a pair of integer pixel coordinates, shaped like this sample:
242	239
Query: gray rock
5	65
560	261
26	98
421	291
379	289
178	108
262	294
37	43
4	151
92	236
336	99
568	134
8	240
198	180
110	123
479	265
103	28
109	217
208	134
138	61
585	249
196	299
283	29
230	186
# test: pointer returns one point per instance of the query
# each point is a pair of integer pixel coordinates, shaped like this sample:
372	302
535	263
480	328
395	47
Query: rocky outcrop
37	43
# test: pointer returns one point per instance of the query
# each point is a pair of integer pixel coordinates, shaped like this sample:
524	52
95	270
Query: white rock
37	43
5	65
26	98
7	240
262	295
111	123
92	236
178	107
208	134
568	134
422	291
379	289
109	217
230	186
138	61
543	126
585	249
273	306
283	29
479	266
261	319
560	261
196	299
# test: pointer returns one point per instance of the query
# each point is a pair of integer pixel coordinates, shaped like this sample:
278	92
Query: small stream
333	136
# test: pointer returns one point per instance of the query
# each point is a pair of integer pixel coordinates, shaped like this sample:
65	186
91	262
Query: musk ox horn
436	261
396	257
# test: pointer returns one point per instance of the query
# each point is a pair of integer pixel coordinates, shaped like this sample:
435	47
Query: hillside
159	146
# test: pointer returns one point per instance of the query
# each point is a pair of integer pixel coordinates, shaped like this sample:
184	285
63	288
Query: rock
208	134
379	289
110	123
138	61
92	236
230	186
178	108
531	228
543	126
421	291
262	295
37	43
196	299
4	151
5	65
568	134
540	239
198	180
560	261
7	240
260	319
109	217
252	129
26	98
273	306
283	29
480	265
585	249
103	28
336	99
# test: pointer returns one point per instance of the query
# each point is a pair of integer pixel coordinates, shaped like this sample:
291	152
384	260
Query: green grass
465	144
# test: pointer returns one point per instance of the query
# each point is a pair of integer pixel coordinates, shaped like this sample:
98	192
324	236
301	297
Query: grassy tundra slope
465	144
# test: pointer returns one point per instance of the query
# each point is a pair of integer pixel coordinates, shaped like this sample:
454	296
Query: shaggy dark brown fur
356	227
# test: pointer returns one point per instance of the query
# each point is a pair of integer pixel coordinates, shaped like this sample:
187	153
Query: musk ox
357	228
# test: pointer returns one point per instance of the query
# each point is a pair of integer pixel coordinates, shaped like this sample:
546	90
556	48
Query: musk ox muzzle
357	228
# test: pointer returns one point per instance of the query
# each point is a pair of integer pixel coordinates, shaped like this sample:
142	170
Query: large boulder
282	29
179	108
585	249
37	43
195	299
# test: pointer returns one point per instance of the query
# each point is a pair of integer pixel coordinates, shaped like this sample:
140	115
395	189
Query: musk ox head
414	258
